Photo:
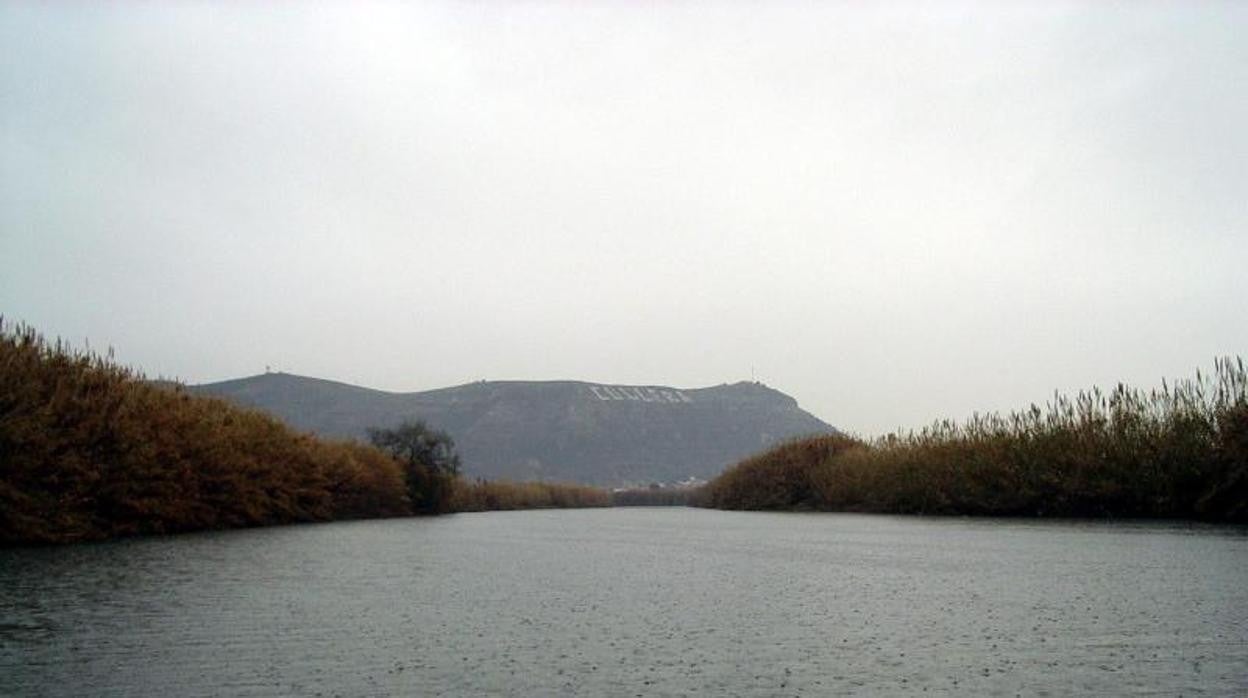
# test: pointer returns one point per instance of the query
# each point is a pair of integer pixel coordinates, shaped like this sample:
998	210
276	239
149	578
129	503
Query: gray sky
893	214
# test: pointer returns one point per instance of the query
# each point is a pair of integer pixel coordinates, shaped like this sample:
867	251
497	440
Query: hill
551	430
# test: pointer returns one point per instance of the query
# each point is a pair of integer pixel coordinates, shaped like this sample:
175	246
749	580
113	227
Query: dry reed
1178	451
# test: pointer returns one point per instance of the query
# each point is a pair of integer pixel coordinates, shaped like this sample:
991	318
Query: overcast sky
894	214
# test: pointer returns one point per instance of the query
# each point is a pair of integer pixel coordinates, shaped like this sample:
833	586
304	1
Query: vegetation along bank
1177	452
91	450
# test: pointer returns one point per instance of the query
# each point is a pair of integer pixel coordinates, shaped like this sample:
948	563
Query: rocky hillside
555	430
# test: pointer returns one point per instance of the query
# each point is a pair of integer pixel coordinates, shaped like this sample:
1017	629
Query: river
635	602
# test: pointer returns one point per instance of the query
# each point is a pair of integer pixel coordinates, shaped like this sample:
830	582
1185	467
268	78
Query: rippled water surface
635	602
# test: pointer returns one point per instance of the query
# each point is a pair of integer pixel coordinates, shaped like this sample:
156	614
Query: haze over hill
551	430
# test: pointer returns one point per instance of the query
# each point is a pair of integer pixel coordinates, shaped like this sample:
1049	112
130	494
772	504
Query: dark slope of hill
554	430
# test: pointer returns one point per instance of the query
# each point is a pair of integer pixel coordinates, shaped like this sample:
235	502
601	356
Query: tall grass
91	450
485	495
1177	451
654	497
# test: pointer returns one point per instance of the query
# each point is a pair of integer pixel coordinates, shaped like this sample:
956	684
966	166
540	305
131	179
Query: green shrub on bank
429	461
1181	451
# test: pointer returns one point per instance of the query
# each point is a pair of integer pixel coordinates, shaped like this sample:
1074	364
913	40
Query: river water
635	602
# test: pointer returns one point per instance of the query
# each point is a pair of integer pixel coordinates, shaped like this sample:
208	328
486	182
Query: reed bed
654	497
91	450
1180	451
487	495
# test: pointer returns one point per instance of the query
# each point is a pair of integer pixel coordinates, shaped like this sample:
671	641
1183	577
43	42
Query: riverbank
91	450
487	495
1180	451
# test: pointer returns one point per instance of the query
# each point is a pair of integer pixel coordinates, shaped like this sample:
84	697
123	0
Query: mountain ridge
597	433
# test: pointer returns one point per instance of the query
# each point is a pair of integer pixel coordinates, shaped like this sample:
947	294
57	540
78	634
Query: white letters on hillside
638	393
